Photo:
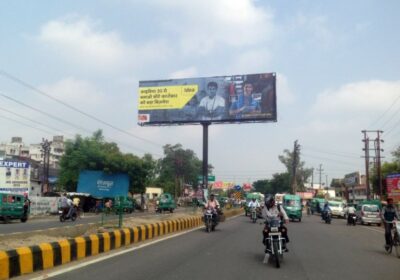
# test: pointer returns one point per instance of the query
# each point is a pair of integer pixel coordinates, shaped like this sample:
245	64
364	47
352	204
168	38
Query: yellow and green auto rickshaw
13	207
293	207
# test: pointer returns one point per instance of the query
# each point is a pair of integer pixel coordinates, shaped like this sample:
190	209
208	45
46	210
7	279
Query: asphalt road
317	251
54	222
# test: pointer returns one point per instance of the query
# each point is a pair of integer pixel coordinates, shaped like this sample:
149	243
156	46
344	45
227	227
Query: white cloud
184	73
74	91
205	25
284	93
82	40
367	98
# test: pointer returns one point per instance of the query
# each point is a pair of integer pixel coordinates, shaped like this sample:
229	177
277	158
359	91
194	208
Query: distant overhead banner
221	99
103	185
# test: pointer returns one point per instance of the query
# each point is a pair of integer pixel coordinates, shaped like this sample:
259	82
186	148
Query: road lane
54	222
317	251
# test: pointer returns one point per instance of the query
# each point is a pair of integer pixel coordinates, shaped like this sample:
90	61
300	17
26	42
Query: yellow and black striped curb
26	260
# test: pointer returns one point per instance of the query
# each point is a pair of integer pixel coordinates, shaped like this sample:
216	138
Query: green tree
94	153
178	167
302	173
279	183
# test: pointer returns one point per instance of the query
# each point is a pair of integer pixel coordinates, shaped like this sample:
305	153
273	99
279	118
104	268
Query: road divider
25	260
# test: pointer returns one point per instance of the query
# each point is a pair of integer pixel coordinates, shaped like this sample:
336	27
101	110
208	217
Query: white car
337	209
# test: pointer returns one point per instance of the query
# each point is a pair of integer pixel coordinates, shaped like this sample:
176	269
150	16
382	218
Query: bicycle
394	238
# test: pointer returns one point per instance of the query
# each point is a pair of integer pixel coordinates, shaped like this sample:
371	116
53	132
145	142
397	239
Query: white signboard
14	176
44	205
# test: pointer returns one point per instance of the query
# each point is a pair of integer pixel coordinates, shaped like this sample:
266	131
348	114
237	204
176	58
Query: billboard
14	176
221	99
101	185
393	186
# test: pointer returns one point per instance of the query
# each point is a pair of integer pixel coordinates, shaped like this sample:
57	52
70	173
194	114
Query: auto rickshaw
293	207
165	203
13	207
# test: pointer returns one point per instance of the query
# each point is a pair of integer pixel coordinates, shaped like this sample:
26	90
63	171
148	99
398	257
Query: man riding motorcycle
388	215
325	211
271	210
213	205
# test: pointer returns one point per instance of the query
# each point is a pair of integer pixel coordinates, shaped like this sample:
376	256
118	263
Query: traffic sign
211	178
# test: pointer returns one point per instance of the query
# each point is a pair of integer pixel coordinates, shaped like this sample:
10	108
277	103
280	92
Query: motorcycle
327	216
253	215
210	220
351	219
274	243
64	215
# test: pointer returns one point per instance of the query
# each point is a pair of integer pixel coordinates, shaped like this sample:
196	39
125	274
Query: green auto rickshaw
13	207
317	204
125	203
293	207
165	203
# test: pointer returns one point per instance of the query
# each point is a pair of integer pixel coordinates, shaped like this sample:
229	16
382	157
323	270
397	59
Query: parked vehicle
368	214
337	208
165	203
126	203
317	204
12	207
293	207
274	242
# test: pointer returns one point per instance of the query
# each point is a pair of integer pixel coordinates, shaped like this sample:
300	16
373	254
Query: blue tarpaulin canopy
100	184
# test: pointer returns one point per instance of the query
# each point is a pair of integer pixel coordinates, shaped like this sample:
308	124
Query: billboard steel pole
205	154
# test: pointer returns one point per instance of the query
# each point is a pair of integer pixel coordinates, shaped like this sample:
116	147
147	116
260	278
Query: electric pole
296	150
46	147
378	161
377	149
320	175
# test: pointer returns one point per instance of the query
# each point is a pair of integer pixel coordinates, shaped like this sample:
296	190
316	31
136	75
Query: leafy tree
176	168
279	183
302	173
94	153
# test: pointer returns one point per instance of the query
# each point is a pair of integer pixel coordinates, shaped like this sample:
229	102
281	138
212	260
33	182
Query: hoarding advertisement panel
238	98
14	176
393	186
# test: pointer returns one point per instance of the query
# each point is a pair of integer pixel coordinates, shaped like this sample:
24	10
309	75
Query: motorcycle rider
254	204
350	211
388	215
71	208
213	205
271	210
325	211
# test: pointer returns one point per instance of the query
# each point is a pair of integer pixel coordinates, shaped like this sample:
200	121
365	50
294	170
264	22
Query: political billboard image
14	176
221	99
101	185
393	186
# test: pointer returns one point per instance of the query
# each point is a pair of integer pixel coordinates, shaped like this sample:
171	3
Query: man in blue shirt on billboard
245	104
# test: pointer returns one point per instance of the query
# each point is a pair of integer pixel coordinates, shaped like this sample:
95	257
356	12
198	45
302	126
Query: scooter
64	217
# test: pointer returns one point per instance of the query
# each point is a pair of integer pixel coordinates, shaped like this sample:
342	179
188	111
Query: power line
387	110
329	159
331	153
44	113
25	84
69	123
35	121
27	125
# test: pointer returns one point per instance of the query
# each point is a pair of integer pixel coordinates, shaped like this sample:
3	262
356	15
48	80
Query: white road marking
374	229
75	267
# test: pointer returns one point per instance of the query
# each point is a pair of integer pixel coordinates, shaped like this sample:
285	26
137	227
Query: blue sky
337	64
